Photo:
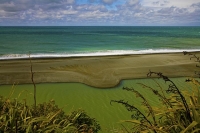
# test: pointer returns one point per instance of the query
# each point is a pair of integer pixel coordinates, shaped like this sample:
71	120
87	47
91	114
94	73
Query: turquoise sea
17	42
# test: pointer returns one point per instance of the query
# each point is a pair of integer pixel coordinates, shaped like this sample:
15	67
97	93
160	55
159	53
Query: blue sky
99	12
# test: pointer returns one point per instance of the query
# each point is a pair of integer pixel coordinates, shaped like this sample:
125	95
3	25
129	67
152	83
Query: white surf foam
98	53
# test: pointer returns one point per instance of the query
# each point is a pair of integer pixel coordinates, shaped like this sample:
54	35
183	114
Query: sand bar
98	71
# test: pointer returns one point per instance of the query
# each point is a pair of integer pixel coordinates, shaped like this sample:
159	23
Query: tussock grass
17	116
179	112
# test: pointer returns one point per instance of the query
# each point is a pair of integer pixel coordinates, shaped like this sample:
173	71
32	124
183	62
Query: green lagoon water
96	102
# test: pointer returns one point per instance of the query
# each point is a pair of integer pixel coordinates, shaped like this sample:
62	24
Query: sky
99	12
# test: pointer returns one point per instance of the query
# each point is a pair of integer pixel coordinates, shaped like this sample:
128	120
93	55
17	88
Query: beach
96	71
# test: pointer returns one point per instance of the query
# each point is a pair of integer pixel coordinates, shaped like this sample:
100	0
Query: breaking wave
97	53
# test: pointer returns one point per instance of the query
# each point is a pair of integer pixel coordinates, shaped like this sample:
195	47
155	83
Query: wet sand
97	71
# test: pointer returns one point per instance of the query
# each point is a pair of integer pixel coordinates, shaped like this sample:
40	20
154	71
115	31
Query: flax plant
178	112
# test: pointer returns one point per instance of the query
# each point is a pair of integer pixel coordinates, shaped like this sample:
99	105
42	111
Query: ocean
18	42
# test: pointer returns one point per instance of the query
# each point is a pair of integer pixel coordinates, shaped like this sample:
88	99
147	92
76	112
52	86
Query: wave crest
97	53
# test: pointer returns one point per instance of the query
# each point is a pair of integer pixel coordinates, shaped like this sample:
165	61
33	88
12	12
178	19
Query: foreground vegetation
178	112
17	116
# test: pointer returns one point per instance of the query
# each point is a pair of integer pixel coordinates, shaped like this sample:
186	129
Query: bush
46	117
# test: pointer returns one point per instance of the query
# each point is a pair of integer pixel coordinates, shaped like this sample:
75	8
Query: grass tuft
46	117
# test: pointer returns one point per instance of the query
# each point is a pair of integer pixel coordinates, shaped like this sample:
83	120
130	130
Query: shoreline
94	54
97	71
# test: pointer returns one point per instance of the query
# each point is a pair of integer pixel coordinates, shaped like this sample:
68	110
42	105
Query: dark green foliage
83	122
47	117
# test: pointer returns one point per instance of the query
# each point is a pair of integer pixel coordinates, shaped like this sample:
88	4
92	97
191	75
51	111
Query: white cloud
108	1
169	3
183	4
94	14
132	2
68	12
130	12
69	1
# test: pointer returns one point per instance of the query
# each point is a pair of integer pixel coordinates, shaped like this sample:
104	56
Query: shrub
46	117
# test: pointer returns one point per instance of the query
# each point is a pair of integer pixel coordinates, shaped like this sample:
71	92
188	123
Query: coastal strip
96	71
